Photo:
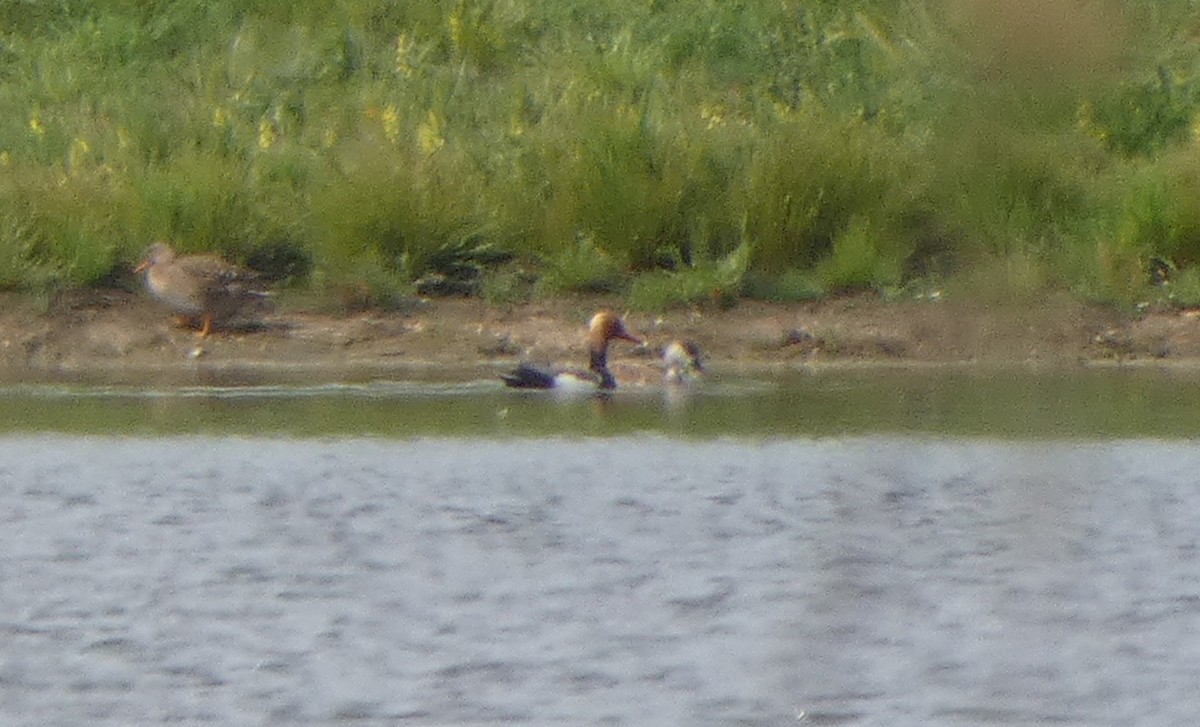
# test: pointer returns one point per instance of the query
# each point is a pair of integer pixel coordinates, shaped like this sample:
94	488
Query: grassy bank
672	151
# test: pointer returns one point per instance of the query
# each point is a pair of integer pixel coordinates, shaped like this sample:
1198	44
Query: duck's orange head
605	326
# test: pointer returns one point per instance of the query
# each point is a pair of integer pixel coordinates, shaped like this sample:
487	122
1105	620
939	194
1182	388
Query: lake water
849	548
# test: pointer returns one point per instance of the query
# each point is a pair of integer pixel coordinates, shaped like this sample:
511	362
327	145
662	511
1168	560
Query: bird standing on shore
202	290
604	328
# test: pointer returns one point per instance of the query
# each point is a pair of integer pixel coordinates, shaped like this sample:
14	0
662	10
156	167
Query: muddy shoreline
116	336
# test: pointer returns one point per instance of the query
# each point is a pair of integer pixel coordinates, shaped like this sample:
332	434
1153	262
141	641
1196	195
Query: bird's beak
144	264
623	333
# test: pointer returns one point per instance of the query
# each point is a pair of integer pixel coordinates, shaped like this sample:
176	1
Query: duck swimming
682	362
201	288
604	327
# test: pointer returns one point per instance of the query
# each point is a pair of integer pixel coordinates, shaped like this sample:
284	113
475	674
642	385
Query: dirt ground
125	337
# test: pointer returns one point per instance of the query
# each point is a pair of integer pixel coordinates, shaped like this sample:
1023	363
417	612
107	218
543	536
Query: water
377	554
1003	403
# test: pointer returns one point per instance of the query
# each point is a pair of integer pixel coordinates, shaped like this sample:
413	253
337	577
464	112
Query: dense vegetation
669	151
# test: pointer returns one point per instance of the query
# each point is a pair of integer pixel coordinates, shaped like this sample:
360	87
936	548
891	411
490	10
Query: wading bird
202	290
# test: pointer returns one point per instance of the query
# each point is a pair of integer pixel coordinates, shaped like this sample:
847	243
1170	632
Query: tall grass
675	152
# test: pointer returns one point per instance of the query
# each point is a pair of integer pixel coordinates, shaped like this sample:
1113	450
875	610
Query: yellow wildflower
220	117
516	125
458	34
713	115
266	134
35	125
429	133
783	111
404	53
391	123
5	159
78	154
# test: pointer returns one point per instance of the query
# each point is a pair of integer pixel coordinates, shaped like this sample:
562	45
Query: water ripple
873	581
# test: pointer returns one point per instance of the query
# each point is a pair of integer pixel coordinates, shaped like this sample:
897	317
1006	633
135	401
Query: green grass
716	283
674	153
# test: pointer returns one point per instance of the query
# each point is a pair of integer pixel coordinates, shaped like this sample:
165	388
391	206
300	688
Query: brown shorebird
201	288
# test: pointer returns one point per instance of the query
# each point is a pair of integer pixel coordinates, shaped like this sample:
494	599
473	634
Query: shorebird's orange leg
207	327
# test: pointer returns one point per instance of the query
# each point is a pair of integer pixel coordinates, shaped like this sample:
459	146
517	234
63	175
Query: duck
683	362
677	365
604	327
201	288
